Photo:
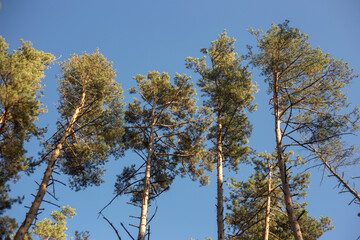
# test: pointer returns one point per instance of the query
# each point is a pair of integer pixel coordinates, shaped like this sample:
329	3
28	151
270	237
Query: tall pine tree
163	128
229	92
309	105
20	89
89	130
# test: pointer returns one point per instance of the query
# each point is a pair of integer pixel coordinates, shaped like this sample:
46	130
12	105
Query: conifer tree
164	130
47	229
309	105
257	209
20	89
229	92
89	129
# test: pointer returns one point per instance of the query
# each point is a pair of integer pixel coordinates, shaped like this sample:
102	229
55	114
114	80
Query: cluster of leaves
229	92
310	84
164	120
47	229
20	88
88	84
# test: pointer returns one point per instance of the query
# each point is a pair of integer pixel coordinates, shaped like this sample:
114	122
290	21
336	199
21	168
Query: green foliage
47	229
20	89
229	92
7	227
88	86
247	204
162	126
310	86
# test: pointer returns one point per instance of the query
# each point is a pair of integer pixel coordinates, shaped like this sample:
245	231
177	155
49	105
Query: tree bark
145	200
268	204
220	182
295	227
33	211
3	119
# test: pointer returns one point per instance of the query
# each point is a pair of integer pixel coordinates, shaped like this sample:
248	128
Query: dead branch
116	231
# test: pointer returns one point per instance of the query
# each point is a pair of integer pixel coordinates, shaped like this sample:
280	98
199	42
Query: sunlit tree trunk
3	119
145	200
220	181
295	227
268	204
33	211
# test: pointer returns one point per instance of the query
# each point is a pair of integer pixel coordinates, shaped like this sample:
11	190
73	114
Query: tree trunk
31	215
33	211
220	181
145	200
295	227
268	205
3	119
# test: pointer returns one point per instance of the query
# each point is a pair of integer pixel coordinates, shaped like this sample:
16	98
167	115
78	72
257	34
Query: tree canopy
171	133
20	90
49	230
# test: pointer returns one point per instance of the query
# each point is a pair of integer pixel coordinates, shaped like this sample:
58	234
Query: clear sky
145	35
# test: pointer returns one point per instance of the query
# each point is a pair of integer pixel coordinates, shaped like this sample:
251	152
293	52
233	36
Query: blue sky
140	36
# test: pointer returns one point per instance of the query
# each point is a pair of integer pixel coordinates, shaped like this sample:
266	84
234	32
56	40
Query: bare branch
116	231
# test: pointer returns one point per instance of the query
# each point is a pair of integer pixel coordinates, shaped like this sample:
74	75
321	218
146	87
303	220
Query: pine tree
163	130
20	89
49	230
310	107
89	130
258	209
229	92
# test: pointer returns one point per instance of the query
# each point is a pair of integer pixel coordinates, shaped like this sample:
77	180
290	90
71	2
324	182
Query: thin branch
118	194
152	215
116	231
47	201
127	231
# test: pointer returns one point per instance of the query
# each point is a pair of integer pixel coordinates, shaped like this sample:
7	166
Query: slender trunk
295	227
33	211
220	181
145	200
268	205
